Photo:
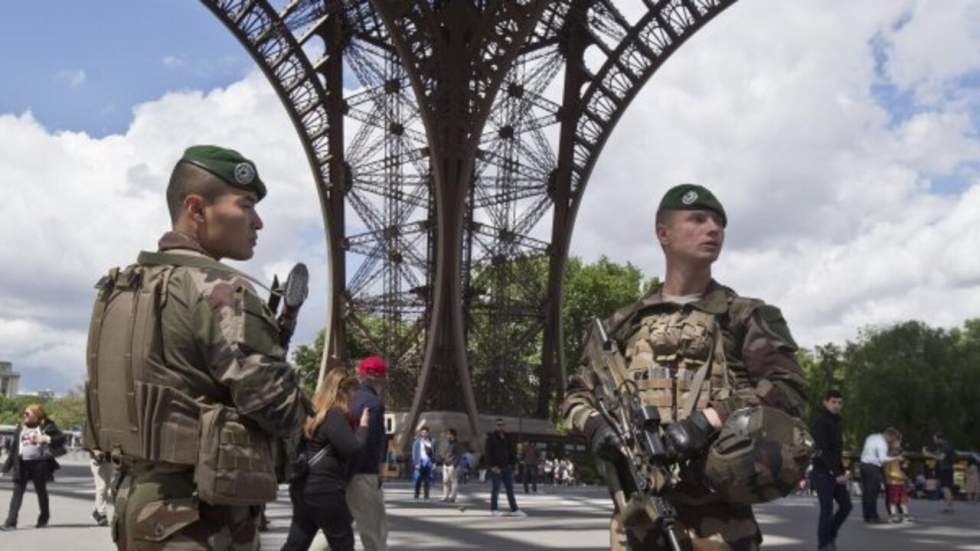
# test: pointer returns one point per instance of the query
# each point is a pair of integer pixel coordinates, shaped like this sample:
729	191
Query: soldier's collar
176	240
714	301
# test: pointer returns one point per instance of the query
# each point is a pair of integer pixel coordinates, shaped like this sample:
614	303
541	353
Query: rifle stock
638	427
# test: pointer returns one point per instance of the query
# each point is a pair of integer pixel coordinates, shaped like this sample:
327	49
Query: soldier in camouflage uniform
688	322
219	366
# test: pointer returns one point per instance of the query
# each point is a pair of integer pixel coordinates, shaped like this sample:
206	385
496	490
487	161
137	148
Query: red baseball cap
372	365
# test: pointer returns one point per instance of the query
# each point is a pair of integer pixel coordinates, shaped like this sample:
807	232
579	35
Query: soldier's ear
194	207
660	232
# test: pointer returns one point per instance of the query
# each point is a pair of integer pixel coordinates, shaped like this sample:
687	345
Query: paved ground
558	518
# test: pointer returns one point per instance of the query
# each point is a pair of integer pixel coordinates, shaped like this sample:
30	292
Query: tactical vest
677	360
135	412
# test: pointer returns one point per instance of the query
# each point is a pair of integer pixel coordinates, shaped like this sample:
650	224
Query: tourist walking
827	474
945	456
873	456
896	495
530	468
365	497
319	500
452	460
31	458
423	457
500	458
101	467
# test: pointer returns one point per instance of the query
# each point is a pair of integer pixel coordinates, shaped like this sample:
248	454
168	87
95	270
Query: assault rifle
646	456
293	293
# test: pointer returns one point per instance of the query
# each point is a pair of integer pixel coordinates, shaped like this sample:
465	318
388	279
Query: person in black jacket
500	459
828	476
31	457
319	501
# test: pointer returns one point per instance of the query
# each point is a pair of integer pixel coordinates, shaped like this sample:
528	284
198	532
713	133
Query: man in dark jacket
828	476
500	459
365	499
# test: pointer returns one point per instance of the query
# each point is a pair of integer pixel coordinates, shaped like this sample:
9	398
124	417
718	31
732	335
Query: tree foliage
595	290
910	376
67	411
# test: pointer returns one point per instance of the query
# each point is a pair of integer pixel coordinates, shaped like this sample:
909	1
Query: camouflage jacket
221	344
757	344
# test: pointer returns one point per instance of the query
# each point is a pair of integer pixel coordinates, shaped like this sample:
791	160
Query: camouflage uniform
751	353
221	346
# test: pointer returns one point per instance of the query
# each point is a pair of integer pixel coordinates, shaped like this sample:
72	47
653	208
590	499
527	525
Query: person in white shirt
873	456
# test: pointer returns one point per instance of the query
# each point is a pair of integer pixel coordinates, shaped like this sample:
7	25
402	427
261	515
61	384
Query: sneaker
100	519
41	522
497	513
517	513
7	527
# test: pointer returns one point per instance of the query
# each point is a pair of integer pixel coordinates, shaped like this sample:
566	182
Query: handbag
302	463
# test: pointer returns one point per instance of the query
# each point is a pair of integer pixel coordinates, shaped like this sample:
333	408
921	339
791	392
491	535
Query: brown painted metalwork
451	142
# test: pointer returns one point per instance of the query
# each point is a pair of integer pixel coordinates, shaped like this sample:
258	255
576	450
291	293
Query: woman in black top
31	458
318	499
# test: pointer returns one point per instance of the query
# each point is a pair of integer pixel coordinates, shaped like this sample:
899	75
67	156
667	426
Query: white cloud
172	62
79	205
831	207
72	78
830	196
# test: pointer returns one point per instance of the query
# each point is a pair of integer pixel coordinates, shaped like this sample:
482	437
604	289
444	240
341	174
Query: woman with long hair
31	458
319	501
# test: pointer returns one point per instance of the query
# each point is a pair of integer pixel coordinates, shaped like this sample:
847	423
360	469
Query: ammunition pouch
235	462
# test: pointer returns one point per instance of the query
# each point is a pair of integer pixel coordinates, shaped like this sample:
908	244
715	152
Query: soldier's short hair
187	179
832	393
664	216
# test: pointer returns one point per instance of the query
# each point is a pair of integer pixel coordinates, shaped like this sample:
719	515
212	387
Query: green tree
68	411
596	290
11	408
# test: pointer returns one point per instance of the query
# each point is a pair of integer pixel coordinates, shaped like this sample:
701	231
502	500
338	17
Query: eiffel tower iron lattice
451	143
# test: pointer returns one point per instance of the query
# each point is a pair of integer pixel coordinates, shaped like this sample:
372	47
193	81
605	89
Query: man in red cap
364	495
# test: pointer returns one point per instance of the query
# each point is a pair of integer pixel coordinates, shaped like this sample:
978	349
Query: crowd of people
883	464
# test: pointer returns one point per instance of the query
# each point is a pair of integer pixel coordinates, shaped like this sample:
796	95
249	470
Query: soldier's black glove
689	437
602	439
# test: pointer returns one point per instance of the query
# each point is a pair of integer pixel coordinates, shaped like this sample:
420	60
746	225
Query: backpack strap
160	259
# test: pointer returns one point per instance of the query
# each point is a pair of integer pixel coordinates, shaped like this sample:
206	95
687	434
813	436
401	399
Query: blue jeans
507	476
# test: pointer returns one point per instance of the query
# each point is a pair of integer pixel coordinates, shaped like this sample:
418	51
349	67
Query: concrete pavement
558	518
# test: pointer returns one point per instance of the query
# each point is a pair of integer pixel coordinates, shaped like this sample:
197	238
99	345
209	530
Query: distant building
9	380
41	395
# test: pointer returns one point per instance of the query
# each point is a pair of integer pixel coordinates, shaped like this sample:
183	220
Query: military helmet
760	455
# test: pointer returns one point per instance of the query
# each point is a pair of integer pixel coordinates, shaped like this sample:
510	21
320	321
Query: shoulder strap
319	455
156	259
697	384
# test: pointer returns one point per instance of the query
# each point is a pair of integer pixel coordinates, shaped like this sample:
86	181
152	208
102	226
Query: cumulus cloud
172	62
832	184
79	205
832	196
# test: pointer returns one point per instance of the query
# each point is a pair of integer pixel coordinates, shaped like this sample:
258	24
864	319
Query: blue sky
84	65
843	138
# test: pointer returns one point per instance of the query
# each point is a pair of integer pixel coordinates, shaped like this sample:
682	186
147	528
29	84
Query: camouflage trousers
156	510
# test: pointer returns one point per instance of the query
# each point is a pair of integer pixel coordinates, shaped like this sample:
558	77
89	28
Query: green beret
227	164
692	197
